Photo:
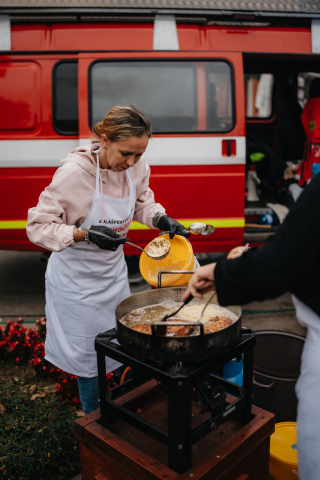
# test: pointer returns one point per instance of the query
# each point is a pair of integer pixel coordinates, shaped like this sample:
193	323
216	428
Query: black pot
276	370
172	349
277	395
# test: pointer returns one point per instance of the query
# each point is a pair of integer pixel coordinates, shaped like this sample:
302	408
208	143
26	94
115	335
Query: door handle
229	148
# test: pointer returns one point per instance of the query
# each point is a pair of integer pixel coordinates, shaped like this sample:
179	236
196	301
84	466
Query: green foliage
37	440
20	346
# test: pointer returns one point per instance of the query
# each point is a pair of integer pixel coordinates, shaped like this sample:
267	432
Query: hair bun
98	129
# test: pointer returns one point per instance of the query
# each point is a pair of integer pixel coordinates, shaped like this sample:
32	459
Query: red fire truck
206	77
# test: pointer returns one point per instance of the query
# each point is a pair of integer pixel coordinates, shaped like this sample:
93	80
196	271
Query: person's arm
289	260
47	222
46	225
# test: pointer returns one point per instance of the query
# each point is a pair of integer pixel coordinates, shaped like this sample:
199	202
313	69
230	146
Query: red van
206	78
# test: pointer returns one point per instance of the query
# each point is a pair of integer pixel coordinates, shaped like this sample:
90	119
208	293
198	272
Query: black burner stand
179	380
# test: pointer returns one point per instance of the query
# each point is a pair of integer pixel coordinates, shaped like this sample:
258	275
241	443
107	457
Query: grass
37	440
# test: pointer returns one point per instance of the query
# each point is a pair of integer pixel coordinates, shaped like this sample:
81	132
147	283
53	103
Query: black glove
171	225
104	243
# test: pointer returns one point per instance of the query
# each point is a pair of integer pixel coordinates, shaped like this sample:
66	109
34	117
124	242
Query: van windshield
178	96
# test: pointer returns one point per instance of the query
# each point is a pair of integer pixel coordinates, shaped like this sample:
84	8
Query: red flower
44	367
59	387
17	359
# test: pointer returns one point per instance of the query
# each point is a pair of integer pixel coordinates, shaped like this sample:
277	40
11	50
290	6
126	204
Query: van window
259	95
178	96
19	98
65	98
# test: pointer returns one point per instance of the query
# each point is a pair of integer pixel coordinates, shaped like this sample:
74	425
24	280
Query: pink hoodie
66	202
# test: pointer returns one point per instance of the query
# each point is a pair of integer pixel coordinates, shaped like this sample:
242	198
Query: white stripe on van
193	151
160	151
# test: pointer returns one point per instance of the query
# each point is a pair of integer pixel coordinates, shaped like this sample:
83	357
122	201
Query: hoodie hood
84	158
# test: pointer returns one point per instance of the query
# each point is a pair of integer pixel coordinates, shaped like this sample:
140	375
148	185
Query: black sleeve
289	260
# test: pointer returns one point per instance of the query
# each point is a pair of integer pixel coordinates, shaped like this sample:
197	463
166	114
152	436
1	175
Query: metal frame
180	436
170	272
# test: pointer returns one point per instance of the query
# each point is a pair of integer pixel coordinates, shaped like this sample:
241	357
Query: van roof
300	8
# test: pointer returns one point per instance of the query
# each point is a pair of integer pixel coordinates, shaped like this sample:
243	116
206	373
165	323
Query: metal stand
179	380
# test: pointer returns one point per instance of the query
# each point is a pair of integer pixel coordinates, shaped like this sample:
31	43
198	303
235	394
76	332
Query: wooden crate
232	452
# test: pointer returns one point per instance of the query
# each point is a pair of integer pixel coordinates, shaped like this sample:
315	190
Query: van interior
276	91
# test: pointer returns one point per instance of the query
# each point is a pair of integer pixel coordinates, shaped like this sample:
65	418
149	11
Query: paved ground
22	289
22	293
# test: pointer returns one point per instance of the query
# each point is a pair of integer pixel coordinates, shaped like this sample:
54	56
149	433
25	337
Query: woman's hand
202	281
111	243
171	225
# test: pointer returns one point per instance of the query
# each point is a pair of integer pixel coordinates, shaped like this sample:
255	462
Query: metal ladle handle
142	250
127	241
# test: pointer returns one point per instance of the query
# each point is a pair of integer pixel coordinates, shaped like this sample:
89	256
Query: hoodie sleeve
146	207
47	222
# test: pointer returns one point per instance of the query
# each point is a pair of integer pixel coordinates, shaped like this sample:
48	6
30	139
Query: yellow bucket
283	452
180	257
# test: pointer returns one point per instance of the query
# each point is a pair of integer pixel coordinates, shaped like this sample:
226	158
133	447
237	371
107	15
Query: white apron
308	393
84	285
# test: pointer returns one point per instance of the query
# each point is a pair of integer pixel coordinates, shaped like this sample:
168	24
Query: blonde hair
122	122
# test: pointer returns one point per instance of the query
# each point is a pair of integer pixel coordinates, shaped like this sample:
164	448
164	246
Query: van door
195	101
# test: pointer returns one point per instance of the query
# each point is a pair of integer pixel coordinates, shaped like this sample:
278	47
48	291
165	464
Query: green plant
19	345
37	440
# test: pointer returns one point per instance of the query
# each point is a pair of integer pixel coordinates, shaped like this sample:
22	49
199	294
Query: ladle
197	228
154	257
202	228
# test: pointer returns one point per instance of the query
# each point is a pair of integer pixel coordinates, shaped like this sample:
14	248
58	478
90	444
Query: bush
37	438
19	345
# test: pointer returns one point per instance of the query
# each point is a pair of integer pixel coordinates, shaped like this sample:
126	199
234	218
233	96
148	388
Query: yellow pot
180	257
283	452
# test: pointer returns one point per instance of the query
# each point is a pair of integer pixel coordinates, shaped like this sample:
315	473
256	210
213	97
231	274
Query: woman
104	186
290	260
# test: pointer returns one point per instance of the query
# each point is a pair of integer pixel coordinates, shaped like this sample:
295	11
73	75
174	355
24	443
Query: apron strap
97	183
128	176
